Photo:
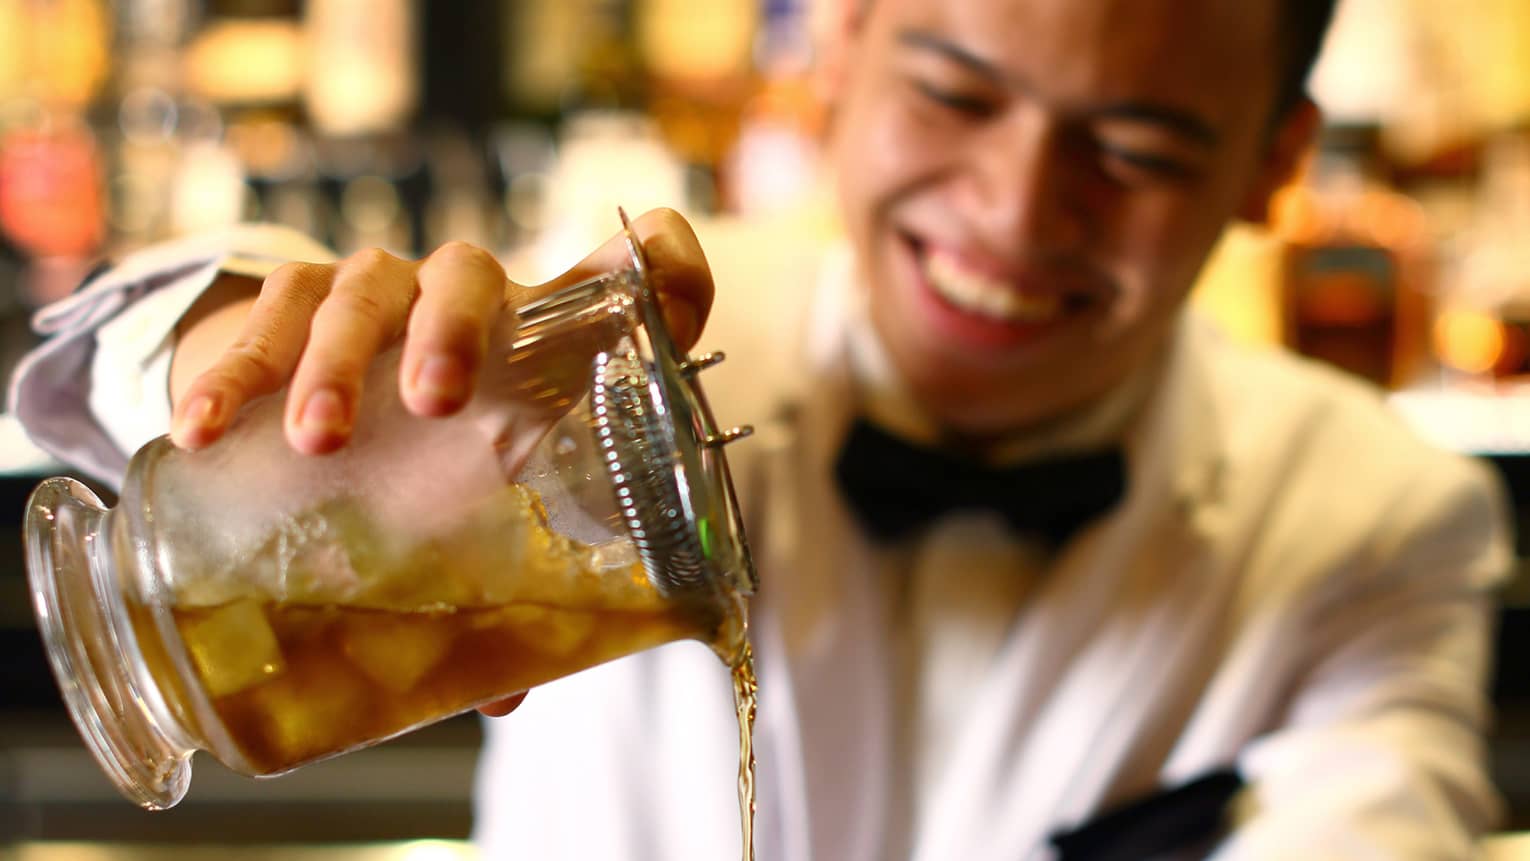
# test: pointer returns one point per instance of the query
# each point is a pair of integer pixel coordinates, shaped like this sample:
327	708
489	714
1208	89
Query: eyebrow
1177	120
951	51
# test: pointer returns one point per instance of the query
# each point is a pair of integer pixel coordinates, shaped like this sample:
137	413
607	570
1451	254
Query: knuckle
297	282
459	254
286	274
370	259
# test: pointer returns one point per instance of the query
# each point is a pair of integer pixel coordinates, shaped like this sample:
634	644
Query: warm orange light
1468	341
257	60
1295	214
688	41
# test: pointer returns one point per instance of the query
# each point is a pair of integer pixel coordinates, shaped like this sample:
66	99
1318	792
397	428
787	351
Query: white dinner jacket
1294	586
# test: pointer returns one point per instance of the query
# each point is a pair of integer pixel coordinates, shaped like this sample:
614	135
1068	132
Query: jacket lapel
1067	720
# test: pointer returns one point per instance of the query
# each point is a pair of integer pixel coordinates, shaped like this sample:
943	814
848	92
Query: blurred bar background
1401	255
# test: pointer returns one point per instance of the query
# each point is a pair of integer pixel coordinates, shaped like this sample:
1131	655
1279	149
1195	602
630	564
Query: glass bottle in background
1357	259
143	96
608	77
54	62
52	211
57	53
700	63
361	65
544	48
374	184
773	164
1483	330
462	204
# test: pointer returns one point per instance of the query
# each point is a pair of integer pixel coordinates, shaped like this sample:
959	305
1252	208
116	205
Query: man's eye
1141	164
963	103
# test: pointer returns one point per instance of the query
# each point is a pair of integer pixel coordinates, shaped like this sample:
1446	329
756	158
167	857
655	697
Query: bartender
1048	568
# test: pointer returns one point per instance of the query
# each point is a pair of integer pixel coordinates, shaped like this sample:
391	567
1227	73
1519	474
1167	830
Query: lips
977	292
979	302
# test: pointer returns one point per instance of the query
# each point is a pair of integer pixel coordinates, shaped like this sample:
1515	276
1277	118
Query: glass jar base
63	532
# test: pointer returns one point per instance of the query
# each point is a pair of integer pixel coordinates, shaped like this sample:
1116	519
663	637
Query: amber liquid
745	689
290	681
345	677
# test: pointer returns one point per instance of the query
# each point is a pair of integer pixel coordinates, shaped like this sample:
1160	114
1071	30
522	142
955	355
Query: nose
1024	197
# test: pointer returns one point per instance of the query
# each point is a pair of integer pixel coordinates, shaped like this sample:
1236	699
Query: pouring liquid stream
745	690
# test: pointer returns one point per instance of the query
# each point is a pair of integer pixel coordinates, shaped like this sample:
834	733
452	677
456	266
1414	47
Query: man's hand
316	327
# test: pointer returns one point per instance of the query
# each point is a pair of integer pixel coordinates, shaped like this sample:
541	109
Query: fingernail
323	412
203	412
441	376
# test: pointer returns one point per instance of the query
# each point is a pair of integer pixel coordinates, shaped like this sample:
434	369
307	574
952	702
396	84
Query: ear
836	24
1288	144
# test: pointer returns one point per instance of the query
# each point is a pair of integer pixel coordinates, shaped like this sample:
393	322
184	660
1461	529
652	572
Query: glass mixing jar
274	609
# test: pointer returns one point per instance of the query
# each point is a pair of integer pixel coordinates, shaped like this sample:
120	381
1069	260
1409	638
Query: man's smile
981	302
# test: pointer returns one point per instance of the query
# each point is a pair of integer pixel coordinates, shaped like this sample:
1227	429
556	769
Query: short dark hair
1303	24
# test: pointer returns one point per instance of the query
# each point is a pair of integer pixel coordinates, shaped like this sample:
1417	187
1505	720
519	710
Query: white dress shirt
953	593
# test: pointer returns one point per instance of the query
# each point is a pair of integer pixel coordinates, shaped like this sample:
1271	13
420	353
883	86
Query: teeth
981	294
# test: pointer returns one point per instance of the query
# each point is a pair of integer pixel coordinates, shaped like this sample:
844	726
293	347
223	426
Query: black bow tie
896	488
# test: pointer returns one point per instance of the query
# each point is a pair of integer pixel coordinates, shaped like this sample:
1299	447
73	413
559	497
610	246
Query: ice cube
420	578
458	564
549	630
323	706
473	561
494	547
320	573
232	646
325	555
396	650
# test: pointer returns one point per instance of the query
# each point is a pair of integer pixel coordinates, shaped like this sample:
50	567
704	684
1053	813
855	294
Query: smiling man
1032	187
1048	569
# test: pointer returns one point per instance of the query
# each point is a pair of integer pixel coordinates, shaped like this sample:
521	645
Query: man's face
1032	185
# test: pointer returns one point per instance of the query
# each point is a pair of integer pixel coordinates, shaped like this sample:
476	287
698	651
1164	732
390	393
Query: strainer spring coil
636	447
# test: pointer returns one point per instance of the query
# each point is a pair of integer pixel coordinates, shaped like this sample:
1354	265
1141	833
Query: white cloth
1294	584
98	388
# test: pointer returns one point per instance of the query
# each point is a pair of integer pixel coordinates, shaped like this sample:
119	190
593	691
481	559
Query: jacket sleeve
1381	753
98	387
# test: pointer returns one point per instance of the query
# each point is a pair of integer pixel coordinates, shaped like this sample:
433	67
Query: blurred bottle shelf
412	850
